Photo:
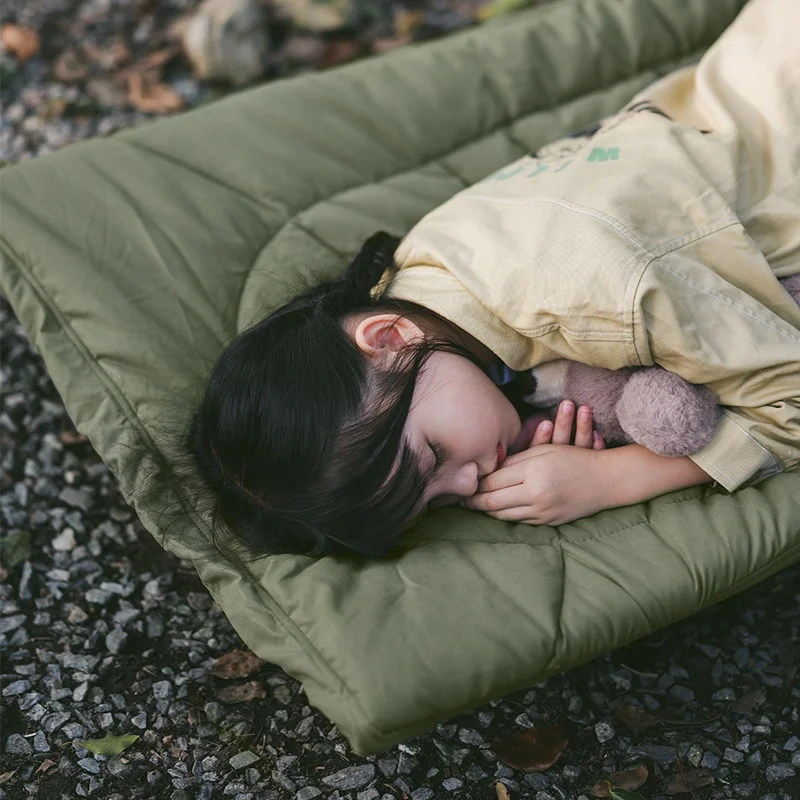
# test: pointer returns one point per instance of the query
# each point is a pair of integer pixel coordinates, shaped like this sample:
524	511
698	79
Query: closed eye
438	454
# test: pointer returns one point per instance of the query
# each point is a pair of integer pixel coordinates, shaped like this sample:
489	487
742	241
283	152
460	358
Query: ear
379	334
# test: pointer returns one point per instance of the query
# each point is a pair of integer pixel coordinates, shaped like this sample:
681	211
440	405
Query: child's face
458	410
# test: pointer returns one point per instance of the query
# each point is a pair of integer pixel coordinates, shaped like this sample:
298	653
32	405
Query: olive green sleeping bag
133	260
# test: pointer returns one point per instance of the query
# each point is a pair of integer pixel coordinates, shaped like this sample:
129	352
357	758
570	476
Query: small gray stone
792	744
242	760
115	640
470	736
307	793
422	794
214	711
116	767
744	789
90	765
18	745
162	690
8	624
724	694
734	756
97	596
451	784
387	766
40	743
140	720
754	759
74	730
79	692
75	498
682	693
65	541
604	731
16	687
351	777
780	772
709	761
283	694
369	794
78	662
52	722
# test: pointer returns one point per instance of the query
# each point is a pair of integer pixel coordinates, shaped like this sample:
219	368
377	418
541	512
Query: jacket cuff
733	457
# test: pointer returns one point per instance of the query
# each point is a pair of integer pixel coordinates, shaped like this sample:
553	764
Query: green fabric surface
132	261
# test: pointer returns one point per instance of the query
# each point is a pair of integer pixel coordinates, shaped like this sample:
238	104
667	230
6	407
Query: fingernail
585	411
566	405
546	425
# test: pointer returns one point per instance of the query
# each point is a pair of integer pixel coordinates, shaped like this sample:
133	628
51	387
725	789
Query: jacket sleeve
713	312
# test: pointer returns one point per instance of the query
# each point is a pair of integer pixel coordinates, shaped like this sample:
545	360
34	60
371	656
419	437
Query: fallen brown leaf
70	437
242	692
70	67
22	42
385	44
684	782
534	750
44	766
405	21
110	92
635	719
236	664
627	779
156	98
159	57
7	776
501	791
108	58
340	51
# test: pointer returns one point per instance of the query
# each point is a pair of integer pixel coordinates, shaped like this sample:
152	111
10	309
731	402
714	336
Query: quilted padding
133	260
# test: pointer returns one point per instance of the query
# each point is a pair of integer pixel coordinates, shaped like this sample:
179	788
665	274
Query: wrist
632	474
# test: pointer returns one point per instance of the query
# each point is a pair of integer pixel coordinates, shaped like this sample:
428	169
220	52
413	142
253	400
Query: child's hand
551	482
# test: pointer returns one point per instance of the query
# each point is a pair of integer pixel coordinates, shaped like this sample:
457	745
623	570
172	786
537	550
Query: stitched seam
569	207
149	446
715	296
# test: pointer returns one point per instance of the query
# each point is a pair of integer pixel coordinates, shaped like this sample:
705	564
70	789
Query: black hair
297	435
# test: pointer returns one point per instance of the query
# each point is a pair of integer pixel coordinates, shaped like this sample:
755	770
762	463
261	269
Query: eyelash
438	452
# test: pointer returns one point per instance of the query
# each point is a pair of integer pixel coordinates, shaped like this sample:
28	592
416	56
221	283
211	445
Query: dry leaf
501	791
242	692
405	21
533	751
108	58
70	437
236	664
748	703
70	67
159	57
22	42
109	92
635	719
684	782
627	779
7	776
384	44
157	98
340	51
44	766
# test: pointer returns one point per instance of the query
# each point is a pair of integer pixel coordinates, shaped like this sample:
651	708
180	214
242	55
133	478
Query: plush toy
647	405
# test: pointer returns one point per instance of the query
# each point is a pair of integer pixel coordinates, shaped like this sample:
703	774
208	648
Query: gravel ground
89	651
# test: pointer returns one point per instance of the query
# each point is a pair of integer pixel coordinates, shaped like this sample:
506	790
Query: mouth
501	454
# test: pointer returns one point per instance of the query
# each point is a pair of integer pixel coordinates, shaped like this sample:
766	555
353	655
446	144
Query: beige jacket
655	241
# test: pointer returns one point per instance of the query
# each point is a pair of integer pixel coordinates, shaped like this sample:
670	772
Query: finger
562	430
500	501
544	433
583	427
501	478
598	443
521	514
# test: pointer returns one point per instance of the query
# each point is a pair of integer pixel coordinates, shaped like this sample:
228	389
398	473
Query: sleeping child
656	238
